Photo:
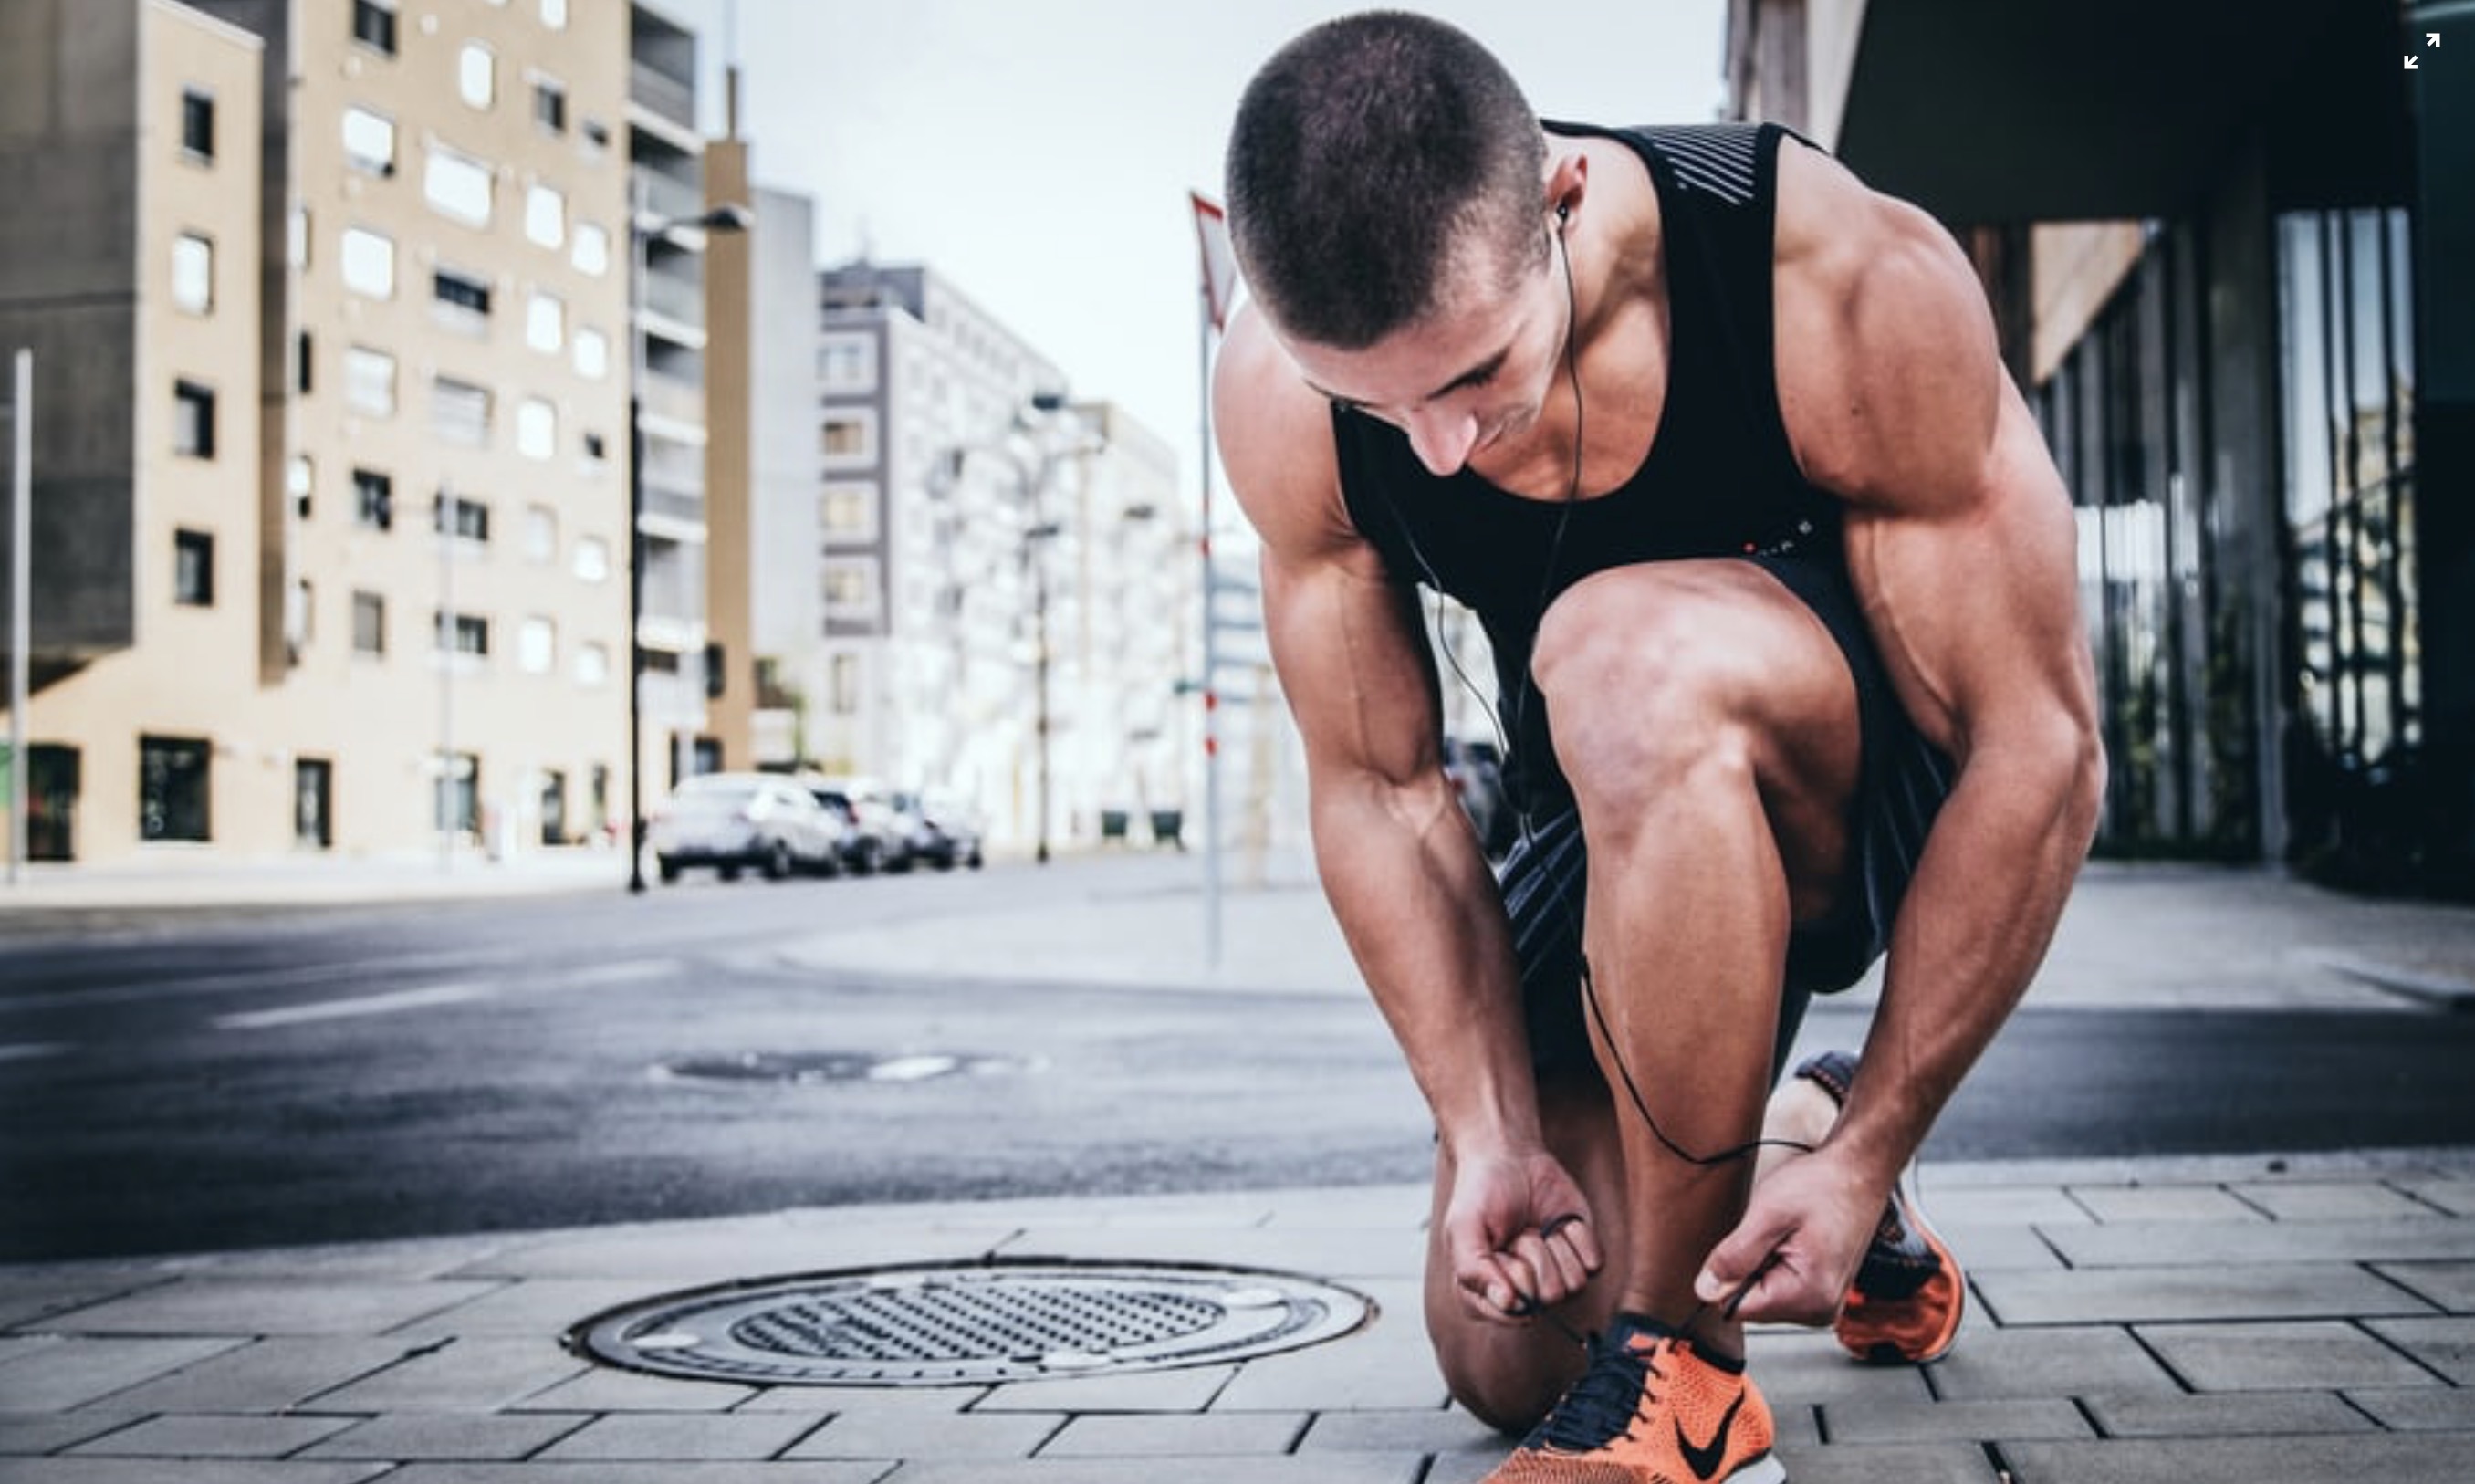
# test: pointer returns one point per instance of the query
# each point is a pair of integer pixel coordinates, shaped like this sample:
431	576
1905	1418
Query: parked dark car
872	839
735	821
941	832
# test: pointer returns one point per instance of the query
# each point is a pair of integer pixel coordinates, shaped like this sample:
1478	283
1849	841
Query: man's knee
1506	1378
1635	690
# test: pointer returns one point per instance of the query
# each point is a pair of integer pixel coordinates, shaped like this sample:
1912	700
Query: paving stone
660	1259
2453	1193
2297	1357
1906	1463
1190	1389
1971	1207
31	1297
1320	1469
1337	1254
654	1437
197	1471
1389	1367
970	1435
2224	1415
2056	1362
484	1374
912	1401
19	1347
642	1474
216	1437
2229	1291
2333	1201
1256	1433
2392	1458
2446	1344
1436	1430
23	1433
2419	1408
1989	1249
1934	1422
1802	1367
474	1437
2163	1205
2245	1244
600	1389
535	1307
217	1306
267	1375
2449	1285
79	1371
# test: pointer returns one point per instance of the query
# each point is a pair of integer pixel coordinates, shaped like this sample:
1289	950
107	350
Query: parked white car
735	821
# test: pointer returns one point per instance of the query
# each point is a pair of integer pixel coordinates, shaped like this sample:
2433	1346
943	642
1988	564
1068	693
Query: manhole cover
811	1067
956	1326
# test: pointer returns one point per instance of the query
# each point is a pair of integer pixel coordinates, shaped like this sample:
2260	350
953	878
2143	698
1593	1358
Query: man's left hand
1791	1258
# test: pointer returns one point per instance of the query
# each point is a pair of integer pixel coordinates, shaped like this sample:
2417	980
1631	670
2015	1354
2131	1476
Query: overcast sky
1039	156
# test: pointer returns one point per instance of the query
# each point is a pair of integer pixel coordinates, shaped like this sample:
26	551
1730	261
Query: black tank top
1719	479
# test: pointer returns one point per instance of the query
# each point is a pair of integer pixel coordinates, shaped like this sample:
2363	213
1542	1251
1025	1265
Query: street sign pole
21	603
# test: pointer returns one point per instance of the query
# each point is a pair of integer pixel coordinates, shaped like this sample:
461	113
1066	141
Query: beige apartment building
330	306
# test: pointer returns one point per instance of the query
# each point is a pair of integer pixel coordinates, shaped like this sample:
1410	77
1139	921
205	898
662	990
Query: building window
591	254
476	75
537	646
193	420
373	500
849	437
460	301
465	519
848	512
300	480
197	124
848	364
849	587
592	560
172	788
592	355
303	363
193	569
374	24
554	14
369	263
459	412
550	105
456	186
464	634
545	322
537	428
369	624
369	142
369	379
299	604
597	452
843	686
193	273
545	215
296	237
541	534
593	664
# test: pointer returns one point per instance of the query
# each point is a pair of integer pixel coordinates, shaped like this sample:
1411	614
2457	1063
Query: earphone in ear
1563	210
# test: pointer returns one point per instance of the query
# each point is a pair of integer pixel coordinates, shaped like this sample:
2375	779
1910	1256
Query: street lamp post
642	229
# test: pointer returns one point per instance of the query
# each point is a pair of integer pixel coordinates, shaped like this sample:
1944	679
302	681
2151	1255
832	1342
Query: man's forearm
1978	915
1420	909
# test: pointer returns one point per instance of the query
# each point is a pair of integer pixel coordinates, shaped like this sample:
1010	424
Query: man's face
1472	375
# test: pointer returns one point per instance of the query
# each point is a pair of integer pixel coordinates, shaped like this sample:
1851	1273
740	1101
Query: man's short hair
1366	153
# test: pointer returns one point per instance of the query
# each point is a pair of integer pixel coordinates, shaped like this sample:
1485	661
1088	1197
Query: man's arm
1962	544
1398	859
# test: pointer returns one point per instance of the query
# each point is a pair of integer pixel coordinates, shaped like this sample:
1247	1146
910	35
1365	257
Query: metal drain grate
956	1326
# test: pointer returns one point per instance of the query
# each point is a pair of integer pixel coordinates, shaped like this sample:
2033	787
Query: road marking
29	1051
365	1004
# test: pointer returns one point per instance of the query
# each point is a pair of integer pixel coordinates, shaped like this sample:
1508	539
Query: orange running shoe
1905	1304
1651	1409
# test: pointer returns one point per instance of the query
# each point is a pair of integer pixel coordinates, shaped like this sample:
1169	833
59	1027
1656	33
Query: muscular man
1779	578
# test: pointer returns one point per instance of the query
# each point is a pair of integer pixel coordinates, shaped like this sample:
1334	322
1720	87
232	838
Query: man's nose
1442	438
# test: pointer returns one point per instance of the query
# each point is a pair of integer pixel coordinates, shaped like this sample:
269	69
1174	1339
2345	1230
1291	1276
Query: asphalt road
179	1082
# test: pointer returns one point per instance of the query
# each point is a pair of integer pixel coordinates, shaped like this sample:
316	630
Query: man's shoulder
1275	437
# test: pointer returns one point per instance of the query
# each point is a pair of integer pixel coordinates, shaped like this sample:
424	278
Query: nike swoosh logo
1706	1461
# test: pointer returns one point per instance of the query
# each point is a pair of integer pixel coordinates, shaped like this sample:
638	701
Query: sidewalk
2203	1321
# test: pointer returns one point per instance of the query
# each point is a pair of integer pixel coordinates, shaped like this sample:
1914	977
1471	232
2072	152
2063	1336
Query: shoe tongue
1637	1333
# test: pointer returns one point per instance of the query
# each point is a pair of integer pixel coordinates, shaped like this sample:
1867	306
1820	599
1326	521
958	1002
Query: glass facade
2177	629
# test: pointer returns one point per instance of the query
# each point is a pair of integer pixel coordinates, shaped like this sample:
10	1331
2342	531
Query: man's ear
1568	178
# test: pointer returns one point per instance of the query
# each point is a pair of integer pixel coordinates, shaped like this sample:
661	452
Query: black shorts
1902	783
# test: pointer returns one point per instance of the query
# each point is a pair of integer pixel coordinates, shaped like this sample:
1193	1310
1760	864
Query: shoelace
1604	1402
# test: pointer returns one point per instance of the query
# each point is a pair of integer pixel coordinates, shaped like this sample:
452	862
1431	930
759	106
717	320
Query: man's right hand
1519	1232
